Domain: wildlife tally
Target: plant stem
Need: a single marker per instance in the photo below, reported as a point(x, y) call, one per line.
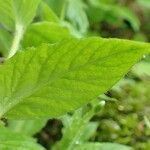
point(16, 41)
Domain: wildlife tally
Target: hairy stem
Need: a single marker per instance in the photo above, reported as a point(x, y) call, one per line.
point(16, 41)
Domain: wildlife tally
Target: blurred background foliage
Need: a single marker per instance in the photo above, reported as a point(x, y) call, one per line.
point(125, 119)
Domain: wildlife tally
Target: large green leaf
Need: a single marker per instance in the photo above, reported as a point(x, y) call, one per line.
point(51, 80)
point(44, 32)
point(102, 146)
point(13, 141)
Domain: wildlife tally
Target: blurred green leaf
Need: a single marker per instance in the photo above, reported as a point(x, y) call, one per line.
point(77, 128)
point(14, 12)
point(27, 127)
point(56, 5)
point(5, 41)
point(47, 14)
point(101, 11)
point(11, 140)
point(44, 32)
point(145, 3)
point(142, 69)
point(77, 16)
point(7, 14)
point(24, 11)
point(17, 14)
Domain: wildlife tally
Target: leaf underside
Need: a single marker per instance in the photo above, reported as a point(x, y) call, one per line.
point(51, 80)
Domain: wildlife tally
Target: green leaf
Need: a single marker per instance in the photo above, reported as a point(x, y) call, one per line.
point(47, 14)
point(99, 11)
point(44, 32)
point(56, 5)
point(6, 14)
point(10, 140)
point(88, 131)
point(103, 146)
point(77, 15)
point(27, 127)
point(25, 11)
point(145, 3)
point(5, 41)
point(77, 128)
point(14, 12)
point(21, 15)
point(51, 80)
point(142, 69)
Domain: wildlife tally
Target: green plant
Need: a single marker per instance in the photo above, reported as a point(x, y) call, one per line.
point(103, 10)
point(77, 130)
point(55, 72)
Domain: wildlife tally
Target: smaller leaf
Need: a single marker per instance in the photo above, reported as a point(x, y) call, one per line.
point(27, 127)
point(77, 15)
point(44, 32)
point(5, 41)
point(47, 14)
point(99, 11)
point(13, 141)
point(142, 69)
point(145, 3)
point(6, 15)
point(56, 5)
point(22, 13)
point(14, 12)
point(25, 11)
point(77, 128)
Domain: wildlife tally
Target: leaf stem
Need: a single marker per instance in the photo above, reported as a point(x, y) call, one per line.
point(16, 41)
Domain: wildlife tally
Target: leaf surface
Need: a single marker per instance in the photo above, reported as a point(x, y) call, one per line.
point(47, 14)
point(15, 16)
point(51, 80)
point(44, 32)
point(77, 15)
point(14, 12)
point(24, 11)
point(27, 127)
point(10, 140)
point(6, 14)
point(5, 41)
